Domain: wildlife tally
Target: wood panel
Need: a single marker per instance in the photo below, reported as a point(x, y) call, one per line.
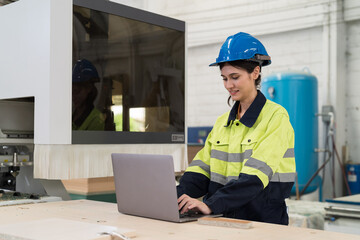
point(90, 185)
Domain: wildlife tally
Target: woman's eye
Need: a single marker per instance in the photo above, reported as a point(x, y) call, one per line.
point(224, 79)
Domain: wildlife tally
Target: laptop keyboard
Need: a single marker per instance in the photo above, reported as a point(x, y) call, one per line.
point(190, 214)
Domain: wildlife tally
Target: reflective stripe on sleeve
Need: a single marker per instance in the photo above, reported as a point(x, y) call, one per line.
point(218, 178)
point(200, 164)
point(231, 157)
point(277, 177)
point(290, 153)
point(259, 165)
point(283, 177)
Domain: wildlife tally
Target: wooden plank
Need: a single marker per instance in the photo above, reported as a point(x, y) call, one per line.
point(225, 222)
point(90, 185)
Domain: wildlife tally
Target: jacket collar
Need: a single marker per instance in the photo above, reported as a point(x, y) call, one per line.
point(250, 116)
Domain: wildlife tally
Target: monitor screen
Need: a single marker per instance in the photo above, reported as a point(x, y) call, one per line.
point(128, 82)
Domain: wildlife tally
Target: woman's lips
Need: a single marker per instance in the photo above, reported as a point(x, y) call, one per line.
point(233, 92)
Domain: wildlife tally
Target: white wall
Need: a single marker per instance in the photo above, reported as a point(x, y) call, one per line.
point(352, 83)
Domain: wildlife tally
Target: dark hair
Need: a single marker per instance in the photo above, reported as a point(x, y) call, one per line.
point(248, 66)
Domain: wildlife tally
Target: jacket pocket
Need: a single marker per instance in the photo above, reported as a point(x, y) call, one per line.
point(220, 144)
point(220, 149)
point(248, 143)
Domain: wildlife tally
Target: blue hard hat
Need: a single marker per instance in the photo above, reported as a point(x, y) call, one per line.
point(242, 46)
point(84, 71)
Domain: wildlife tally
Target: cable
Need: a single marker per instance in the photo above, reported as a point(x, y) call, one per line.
point(341, 166)
point(332, 169)
point(326, 147)
point(315, 174)
point(332, 165)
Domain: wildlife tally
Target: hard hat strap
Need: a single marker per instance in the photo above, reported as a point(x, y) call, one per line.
point(262, 57)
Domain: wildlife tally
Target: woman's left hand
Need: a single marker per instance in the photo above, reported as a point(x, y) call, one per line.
point(187, 203)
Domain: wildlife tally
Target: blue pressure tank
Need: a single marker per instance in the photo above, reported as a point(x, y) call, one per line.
point(297, 93)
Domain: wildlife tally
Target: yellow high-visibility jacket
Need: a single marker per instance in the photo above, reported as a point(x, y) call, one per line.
point(94, 121)
point(246, 168)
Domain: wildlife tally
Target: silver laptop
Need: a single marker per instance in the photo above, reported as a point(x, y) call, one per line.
point(145, 186)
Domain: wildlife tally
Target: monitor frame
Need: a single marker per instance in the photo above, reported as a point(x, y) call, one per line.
point(122, 137)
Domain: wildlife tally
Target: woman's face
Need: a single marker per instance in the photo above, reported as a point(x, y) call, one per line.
point(239, 83)
point(80, 92)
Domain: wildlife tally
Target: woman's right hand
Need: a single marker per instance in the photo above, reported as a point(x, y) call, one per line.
point(187, 203)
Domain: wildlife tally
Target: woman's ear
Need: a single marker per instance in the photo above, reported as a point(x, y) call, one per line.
point(256, 72)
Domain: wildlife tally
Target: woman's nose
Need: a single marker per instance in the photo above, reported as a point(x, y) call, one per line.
point(228, 84)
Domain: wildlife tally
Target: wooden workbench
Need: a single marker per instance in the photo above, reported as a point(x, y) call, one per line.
point(106, 214)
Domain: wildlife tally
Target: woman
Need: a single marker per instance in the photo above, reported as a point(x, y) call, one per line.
point(247, 166)
point(85, 115)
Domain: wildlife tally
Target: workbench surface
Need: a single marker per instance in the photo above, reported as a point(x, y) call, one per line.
point(106, 214)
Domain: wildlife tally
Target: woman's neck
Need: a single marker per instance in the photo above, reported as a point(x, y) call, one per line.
point(245, 104)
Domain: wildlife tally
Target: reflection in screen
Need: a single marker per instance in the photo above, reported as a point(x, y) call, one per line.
point(137, 118)
point(140, 68)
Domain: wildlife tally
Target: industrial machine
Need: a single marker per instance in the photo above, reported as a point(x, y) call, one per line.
point(16, 140)
point(137, 87)
point(17, 184)
point(343, 214)
point(11, 162)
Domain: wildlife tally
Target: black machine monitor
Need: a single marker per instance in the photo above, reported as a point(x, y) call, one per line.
point(128, 82)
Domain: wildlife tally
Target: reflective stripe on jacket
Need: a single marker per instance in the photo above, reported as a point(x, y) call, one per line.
point(246, 168)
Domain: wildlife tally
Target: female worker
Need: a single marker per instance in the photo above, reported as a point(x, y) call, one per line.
point(247, 166)
point(85, 115)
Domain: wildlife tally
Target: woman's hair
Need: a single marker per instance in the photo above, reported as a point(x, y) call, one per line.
point(248, 66)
